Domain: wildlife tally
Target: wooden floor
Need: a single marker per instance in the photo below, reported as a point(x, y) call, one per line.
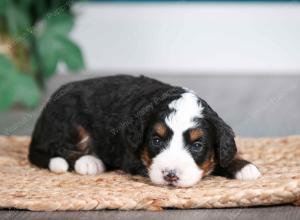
point(260, 213)
point(253, 106)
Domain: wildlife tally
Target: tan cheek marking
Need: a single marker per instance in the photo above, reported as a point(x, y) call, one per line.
point(195, 134)
point(160, 129)
point(209, 165)
point(146, 158)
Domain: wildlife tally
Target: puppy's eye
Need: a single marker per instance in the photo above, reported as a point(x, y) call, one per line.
point(196, 145)
point(157, 141)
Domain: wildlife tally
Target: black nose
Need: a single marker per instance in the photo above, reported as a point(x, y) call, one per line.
point(170, 176)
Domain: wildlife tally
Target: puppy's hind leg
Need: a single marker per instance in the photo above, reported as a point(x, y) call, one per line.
point(58, 151)
point(87, 163)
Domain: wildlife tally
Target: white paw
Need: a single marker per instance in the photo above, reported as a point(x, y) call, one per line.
point(58, 165)
point(89, 165)
point(248, 172)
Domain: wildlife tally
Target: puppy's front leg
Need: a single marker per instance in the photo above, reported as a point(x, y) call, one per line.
point(239, 169)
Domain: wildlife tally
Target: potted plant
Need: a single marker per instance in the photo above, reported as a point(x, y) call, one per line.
point(33, 41)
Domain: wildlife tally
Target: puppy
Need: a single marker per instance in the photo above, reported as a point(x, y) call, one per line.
point(139, 125)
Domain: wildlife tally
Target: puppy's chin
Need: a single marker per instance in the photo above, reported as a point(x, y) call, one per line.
point(187, 171)
point(191, 178)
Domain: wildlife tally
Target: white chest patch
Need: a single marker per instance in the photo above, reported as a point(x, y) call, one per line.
point(175, 157)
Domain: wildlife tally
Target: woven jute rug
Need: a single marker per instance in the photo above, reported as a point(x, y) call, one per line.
point(24, 186)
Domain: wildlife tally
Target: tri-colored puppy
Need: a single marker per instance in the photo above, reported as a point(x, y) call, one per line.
point(138, 125)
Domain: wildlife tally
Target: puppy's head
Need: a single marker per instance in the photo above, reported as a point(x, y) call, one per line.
point(186, 141)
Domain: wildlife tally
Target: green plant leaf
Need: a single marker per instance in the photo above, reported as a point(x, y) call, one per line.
point(25, 4)
point(53, 44)
point(7, 101)
point(26, 91)
point(3, 6)
point(5, 65)
point(71, 54)
point(17, 19)
point(40, 9)
point(59, 23)
point(48, 50)
point(54, 48)
point(16, 87)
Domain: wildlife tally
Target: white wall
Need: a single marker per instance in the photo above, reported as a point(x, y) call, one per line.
point(190, 38)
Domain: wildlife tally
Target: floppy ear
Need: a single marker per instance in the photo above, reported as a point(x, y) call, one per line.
point(224, 144)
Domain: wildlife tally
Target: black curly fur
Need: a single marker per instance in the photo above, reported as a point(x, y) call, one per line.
point(116, 112)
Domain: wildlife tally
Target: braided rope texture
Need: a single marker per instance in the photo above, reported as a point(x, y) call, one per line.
point(24, 186)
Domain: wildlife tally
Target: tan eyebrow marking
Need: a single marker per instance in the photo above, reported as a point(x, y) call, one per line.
point(195, 134)
point(160, 129)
